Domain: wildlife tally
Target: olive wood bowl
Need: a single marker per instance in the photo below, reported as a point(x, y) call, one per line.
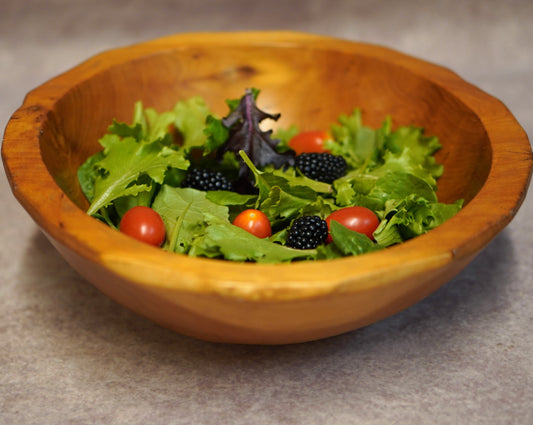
point(311, 80)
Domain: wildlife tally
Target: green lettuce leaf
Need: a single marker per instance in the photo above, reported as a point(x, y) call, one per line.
point(349, 242)
point(236, 202)
point(124, 162)
point(360, 145)
point(148, 125)
point(88, 173)
point(186, 213)
point(278, 199)
point(158, 125)
point(190, 120)
point(234, 243)
point(412, 216)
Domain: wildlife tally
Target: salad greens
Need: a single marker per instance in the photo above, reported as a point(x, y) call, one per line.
point(393, 172)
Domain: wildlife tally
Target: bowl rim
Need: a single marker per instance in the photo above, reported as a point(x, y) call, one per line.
point(68, 226)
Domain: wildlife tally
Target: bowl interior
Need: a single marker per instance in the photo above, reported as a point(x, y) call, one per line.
point(310, 85)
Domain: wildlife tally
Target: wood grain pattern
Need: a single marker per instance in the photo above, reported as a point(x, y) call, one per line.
point(310, 80)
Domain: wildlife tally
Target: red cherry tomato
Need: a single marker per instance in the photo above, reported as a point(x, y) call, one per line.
point(309, 141)
point(143, 224)
point(254, 222)
point(358, 219)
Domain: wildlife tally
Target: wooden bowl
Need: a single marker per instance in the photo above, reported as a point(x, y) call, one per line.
point(310, 80)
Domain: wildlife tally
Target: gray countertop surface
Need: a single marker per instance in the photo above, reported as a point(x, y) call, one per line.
point(70, 355)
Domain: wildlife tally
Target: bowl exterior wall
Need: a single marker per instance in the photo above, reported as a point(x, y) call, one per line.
point(225, 318)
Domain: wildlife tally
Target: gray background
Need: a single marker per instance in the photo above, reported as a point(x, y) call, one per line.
point(70, 355)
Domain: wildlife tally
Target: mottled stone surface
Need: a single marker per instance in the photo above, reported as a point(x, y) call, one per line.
point(70, 355)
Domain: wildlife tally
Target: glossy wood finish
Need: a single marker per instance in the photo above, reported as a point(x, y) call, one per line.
point(310, 80)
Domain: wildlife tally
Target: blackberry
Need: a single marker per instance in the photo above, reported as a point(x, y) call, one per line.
point(307, 232)
point(205, 180)
point(323, 167)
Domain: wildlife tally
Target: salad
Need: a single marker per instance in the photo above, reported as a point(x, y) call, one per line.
point(223, 187)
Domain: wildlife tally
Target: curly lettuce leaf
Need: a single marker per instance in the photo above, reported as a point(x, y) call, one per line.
point(373, 190)
point(124, 162)
point(412, 216)
point(190, 120)
point(360, 145)
point(384, 164)
point(134, 158)
point(147, 124)
point(158, 125)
